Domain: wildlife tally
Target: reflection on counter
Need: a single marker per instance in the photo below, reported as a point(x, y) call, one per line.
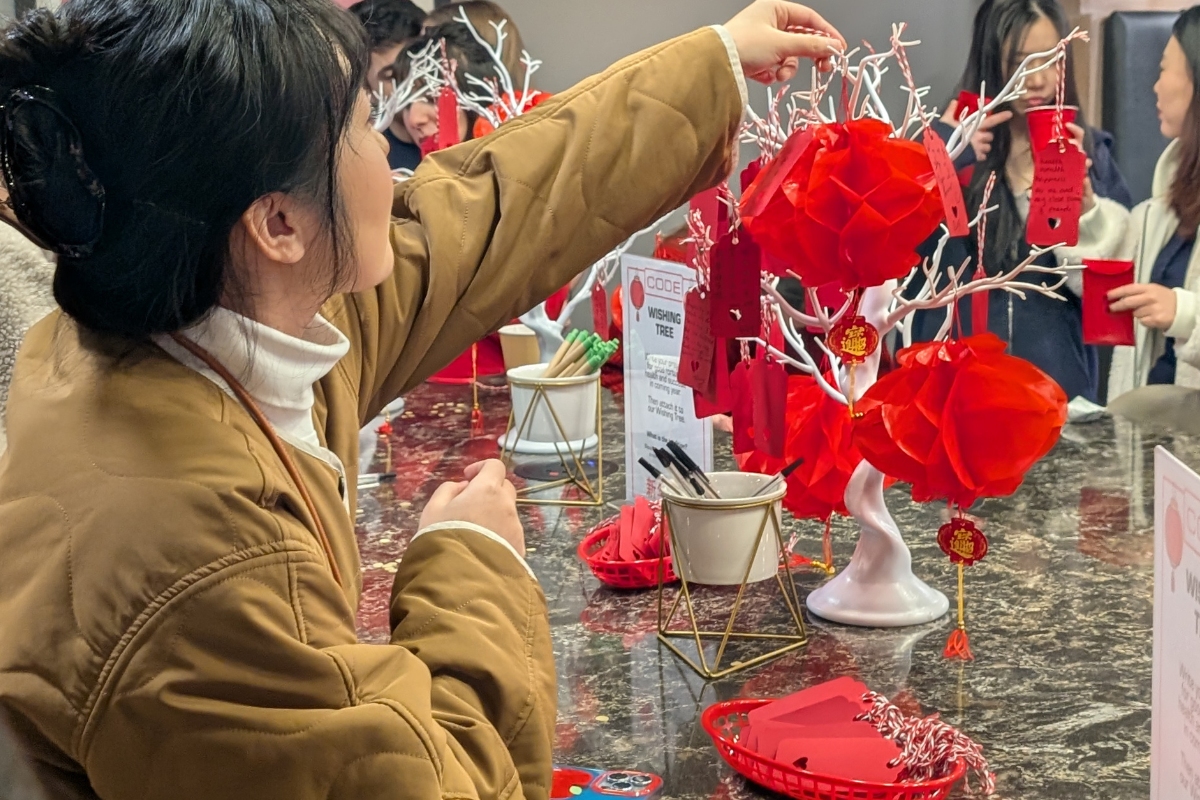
point(1060, 616)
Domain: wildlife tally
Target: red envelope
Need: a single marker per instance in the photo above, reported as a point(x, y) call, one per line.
point(1101, 326)
point(844, 687)
point(863, 759)
point(968, 103)
point(643, 518)
point(625, 538)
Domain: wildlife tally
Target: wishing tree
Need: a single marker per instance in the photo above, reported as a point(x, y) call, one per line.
point(840, 200)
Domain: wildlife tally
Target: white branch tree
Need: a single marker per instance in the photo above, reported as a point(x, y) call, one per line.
point(878, 587)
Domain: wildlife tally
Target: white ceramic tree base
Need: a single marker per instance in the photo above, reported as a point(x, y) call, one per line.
point(877, 589)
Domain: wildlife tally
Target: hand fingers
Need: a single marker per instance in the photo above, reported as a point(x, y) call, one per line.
point(793, 15)
point(445, 493)
point(787, 70)
point(807, 45)
point(490, 472)
point(1127, 290)
point(950, 115)
point(985, 138)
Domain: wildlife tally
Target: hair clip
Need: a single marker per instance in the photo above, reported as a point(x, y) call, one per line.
point(26, 210)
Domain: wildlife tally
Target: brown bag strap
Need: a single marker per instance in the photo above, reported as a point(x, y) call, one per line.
point(265, 425)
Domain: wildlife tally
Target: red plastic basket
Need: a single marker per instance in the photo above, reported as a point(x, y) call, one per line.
point(724, 721)
point(641, 574)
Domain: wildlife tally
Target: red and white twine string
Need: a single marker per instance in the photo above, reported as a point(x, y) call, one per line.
point(987, 196)
point(1060, 91)
point(930, 747)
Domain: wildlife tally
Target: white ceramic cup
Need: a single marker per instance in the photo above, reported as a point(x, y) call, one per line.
point(573, 399)
point(712, 539)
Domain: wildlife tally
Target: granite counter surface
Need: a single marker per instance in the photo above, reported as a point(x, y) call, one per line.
point(1060, 615)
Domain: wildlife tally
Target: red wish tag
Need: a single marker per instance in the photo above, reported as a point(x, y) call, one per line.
point(1057, 198)
point(718, 399)
point(768, 181)
point(743, 408)
point(714, 216)
point(947, 180)
point(853, 339)
point(448, 133)
point(1101, 326)
point(696, 350)
point(735, 287)
point(599, 309)
point(768, 380)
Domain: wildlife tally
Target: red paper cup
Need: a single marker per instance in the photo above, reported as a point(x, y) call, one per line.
point(968, 103)
point(1041, 124)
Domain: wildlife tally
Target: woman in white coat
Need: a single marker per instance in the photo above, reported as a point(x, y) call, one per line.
point(1162, 235)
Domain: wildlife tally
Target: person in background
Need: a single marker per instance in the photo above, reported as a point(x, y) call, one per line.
point(420, 120)
point(241, 288)
point(390, 25)
point(25, 295)
point(1162, 234)
point(484, 16)
point(1046, 332)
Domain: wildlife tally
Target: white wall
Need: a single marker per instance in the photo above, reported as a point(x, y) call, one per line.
point(576, 38)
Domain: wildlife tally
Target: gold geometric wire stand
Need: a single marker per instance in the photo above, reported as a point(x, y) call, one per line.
point(786, 587)
point(573, 467)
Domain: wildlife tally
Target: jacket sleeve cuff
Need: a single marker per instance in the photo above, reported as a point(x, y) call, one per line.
point(1185, 315)
point(735, 62)
point(482, 531)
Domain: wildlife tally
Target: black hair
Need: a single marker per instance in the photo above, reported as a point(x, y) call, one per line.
point(1185, 190)
point(469, 57)
point(969, 82)
point(173, 116)
point(389, 22)
point(994, 62)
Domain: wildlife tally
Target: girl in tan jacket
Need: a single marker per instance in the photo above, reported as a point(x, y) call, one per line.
point(240, 291)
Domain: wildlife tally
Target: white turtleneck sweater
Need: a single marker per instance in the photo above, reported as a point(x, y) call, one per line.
point(279, 371)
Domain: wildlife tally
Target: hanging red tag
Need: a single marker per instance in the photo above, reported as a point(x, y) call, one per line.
point(768, 382)
point(947, 180)
point(831, 297)
point(768, 181)
point(736, 295)
point(600, 309)
point(1057, 198)
point(714, 216)
point(962, 541)
point(979, 306)
point(743, 408)
point(448, 133)
point(853, 339)
point(719, 397)
point(696, 350)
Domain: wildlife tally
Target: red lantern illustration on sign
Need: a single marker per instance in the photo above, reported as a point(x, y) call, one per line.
point(637, 295)
point(1174, 537)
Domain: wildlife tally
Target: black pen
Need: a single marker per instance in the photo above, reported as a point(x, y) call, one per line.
point(781, 476)
point(691, 466)
point(677, 468)
point(658, 476)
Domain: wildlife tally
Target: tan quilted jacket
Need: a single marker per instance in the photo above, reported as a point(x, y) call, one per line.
point(169, 625)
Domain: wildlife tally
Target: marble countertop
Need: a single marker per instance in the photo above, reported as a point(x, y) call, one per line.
point(1060, 615)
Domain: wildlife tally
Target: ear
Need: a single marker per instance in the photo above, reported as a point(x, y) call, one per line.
point(278, 228)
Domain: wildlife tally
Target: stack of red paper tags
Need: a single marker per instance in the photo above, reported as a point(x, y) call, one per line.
point(625, 551)
point(838, 739)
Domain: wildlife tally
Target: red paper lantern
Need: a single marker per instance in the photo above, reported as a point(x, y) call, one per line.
point(853, 209)
point(959, 420)
point(483, 127)
point(819, 431)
